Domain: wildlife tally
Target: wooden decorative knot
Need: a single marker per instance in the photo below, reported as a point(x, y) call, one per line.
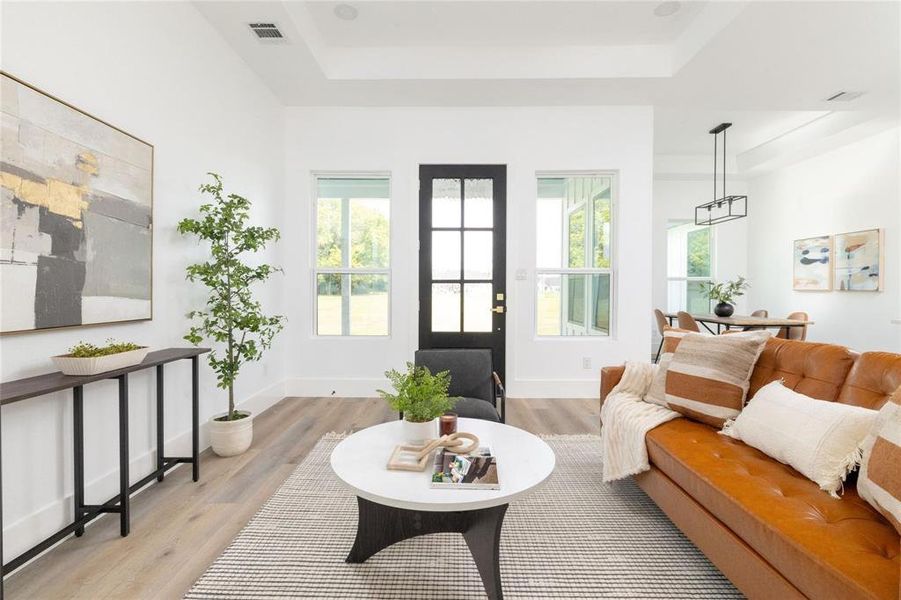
point(416, 458)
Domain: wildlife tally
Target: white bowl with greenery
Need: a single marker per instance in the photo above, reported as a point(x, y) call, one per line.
point(87, 359)
point(422, 398)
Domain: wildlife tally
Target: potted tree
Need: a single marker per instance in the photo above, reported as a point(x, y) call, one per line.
point(231, 317)
point(421, 397)
point(725, 294)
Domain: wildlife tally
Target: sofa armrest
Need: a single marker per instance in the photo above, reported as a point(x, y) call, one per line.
point(610, 376)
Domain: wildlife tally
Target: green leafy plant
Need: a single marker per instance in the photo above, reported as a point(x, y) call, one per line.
point(727, 291)
point(420, 395)
point(232, 316)
point(88, 350)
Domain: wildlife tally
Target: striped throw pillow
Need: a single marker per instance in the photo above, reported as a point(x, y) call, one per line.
point(707, 379)
point(671, 338)
point(879, 482)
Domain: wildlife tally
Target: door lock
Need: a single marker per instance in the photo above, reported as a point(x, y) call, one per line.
point(498, 309)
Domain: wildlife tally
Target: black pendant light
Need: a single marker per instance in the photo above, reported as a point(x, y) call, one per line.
point(723, 208)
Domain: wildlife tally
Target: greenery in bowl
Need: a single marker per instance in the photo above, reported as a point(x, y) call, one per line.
point(88, 350)
point(420, 395)
point(727, 291)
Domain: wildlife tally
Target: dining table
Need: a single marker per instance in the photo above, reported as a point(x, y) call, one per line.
point(740, 321)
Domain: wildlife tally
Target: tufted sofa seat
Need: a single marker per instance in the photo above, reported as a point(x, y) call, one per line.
point(773, 532)
point(826, 547)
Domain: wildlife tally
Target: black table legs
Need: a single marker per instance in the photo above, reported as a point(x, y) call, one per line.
point(160, 422)
point(195, 417)
point(124, 494)
point(78, 454)
point(380, 526)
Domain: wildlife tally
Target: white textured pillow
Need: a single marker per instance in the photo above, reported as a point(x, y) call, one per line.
point(822, 440)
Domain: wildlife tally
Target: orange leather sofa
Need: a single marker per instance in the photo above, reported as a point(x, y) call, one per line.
point(770, 530)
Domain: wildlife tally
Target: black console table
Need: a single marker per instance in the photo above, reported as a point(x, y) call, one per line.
point(23, 389)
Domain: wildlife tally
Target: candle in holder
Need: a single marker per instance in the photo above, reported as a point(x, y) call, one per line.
point(448, 424)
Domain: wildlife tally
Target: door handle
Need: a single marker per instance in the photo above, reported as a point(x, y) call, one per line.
point(498, 309)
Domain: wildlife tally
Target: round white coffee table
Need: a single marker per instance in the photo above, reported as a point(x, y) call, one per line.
point(397, 505)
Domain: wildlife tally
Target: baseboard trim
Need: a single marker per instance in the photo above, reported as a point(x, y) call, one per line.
point(359, 387)
point(31, 529)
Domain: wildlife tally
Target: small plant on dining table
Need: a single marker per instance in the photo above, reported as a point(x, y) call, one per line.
point(726, 291)
point(419, 395)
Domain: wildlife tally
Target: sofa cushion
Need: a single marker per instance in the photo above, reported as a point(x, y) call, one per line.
point(815, 370)
point(707, 379)
point(826, 547)
point(671, 338)
point(874, 377)
point(879, 482)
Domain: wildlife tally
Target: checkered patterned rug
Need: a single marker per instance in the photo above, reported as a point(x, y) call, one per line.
point(574, 538)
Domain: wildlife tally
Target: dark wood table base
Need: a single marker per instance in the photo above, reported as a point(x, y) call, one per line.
point(380, 526)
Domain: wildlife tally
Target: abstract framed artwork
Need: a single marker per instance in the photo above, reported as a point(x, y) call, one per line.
point(76, 216)
point(812, 264)
point(858, 261)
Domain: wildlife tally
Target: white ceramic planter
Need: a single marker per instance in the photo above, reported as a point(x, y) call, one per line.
point(230, 438)
point(417, 433)
point(71, 365)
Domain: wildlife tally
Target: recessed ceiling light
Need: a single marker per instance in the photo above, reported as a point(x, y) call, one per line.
point(667, 9)
point(346, 12)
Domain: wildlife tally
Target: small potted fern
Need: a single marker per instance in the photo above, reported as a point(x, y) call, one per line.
point(421, 397)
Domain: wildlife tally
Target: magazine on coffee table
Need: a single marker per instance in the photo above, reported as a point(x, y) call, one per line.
point(474, 471)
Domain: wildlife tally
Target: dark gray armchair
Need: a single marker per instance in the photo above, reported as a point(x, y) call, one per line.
point(480, 390)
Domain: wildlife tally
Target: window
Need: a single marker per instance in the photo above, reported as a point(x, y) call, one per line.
point(574, 245)
point(689, 264)
point(352, 255)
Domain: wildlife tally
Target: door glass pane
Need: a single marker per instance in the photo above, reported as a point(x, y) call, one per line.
point(368, 305)
point(446, 307)
point(369, 233)
point(446, 203)
point(328, 304)
point(477, 254)
point(478, 208)
point(477, 304)
point(445, 255)
point(329, 239)
point(548, 304)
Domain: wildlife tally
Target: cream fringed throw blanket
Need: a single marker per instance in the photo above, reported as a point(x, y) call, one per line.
point(626, 418)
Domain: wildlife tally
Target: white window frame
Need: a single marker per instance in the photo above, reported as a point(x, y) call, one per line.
point(686, 279)
point(345, 253)
point(564, 248)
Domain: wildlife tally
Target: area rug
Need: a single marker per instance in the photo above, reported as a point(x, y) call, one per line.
point(574, 538)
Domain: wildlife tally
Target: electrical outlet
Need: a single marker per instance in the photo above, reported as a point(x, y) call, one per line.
point(586, 362)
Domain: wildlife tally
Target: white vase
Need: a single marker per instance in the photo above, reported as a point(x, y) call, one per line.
point(230, 438)
point(419, 433)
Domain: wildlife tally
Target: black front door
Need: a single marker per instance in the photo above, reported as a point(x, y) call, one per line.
point(462, 260)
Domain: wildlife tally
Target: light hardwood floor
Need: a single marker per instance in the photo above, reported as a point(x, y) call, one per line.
point(178, 527)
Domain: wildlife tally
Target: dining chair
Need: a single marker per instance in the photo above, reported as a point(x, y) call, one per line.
point(686, 321)
point(662, 324)
point(795, 333)
point(763, 314)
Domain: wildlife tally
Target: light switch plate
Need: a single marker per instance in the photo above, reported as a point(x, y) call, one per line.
point(521, 275)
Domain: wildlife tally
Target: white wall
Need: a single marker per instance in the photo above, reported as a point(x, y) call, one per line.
point(848, 189)
point(676, 199)
point(160, 72)
point(526, 140)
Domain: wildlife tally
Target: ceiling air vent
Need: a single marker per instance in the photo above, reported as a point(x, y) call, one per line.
point(844, 96)
point(266, 31)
